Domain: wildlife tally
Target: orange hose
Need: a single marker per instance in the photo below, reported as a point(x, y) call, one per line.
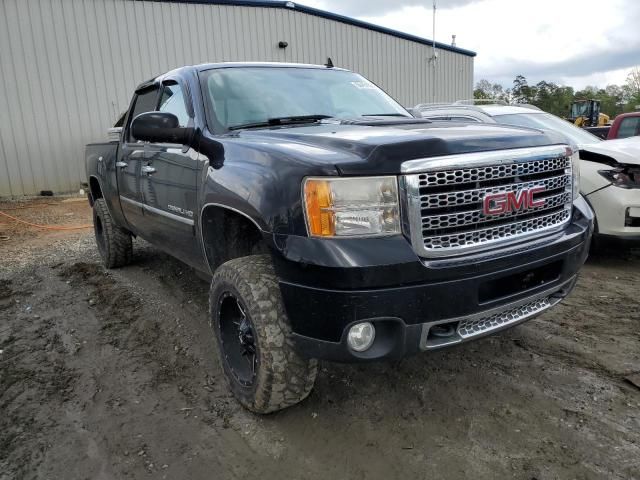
point(46, 227)
point(34, 205)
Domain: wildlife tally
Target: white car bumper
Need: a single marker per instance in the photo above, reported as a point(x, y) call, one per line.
point(617, 212)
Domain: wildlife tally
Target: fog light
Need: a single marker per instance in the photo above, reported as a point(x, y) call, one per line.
point(361, 336)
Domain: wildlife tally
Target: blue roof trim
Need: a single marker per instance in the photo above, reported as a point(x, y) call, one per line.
point(328, 15)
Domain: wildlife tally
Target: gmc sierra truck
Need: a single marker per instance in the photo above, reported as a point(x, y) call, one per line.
point(333, 224)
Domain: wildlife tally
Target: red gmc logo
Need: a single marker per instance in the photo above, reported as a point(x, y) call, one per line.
point(505, 202)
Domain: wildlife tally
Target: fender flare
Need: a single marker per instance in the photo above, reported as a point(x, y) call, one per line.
point(226, 207)
point(92, 199)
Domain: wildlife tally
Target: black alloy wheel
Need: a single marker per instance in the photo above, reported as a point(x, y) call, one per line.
point(237, 339)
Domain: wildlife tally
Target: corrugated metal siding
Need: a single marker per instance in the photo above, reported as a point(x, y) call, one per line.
point(69, 67)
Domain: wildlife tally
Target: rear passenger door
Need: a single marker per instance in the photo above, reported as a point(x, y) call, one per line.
point(169, 181)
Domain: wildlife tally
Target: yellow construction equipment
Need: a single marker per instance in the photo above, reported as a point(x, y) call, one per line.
point(586, 113)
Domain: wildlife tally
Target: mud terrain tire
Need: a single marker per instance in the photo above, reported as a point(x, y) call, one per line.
point(114, 243)
point(280, 376)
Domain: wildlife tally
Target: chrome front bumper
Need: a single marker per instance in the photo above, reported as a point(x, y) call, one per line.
point(490, 321)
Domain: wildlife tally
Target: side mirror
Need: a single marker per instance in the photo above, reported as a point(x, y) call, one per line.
point(161, 127)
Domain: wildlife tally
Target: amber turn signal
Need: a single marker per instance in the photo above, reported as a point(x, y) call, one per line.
point(320, 217)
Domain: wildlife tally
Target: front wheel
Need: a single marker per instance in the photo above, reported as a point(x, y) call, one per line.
point(264, 371)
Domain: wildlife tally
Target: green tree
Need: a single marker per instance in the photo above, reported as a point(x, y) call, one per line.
point(611, 100)
point(482, 90)
point(487, 90)
point(553, 98)
point(632, 90)
point(521, 91)
point(557, 99)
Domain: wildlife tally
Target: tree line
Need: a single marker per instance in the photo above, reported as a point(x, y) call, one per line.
point(557, 99)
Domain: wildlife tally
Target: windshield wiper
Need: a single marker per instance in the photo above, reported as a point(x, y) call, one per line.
point(270, 122)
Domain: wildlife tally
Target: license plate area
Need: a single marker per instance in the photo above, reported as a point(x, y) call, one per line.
point(520, 282)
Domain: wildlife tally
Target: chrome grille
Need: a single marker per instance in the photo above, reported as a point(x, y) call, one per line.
point(445, 198)
point(471, 328)
point(466, 197)
point(496, 233)
point(492, 172)
point(434, 222)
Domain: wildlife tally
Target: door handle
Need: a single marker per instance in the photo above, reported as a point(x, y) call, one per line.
point(148, 169)
point(121, 164)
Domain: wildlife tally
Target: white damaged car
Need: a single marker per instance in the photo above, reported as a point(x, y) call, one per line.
point(609, 170)
point(610, 181)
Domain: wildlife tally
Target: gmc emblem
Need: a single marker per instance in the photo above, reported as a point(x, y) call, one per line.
point(505, 202)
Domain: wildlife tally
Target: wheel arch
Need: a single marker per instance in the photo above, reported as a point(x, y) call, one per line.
point(95, 189)
point(228, 233)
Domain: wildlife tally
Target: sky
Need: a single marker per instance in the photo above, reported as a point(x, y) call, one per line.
point(569, 42)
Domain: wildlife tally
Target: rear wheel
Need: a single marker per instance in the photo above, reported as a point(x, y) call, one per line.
point(114, 243)
point(264, 371)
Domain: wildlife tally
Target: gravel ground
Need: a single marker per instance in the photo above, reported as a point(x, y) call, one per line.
point(114, 375)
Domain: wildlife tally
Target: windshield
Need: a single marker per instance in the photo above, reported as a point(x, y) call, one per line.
point(252, 95)
point(579, 109)
point(546, 121)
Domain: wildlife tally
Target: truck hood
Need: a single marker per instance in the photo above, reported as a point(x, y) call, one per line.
point(381, 147)
point(625, 150)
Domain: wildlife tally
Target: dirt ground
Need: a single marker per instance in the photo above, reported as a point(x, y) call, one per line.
point(114, 375)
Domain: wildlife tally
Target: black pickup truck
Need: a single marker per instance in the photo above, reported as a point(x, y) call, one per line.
point(333, 224)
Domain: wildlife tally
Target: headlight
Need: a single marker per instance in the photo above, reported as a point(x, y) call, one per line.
point(575, 173)
point(623, 176)
point(346, 207)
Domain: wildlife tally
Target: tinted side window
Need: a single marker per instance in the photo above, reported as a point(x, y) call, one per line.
point(144, 102)
point(629, 127)
point(173, 101)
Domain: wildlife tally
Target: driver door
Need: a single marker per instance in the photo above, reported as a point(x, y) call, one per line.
point(169, 179)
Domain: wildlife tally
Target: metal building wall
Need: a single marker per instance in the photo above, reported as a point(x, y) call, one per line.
point(69, 67)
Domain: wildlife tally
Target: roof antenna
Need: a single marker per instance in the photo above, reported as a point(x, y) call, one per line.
point(434, 56)
point(329, 63)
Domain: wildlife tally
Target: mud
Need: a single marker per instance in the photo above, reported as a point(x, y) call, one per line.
point(114, 375)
